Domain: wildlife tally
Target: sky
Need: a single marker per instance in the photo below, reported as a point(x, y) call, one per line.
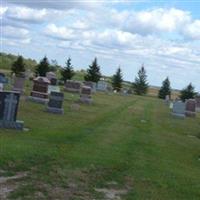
point(162, 35)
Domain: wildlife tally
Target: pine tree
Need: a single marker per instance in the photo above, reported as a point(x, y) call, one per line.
point(67, 72)
point(165, 89)
point(93, 72)
point(188, 92)
point(140, 86)
point(18, 67)
point(43, 67)
point(117, 80)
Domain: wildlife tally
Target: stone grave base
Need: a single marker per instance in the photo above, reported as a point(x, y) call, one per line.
point(197, 109)
point(21, 91)
point(182, 116)
point(190, 114)
point(37, 99)
point(85, 100)
point(19, 125)
point(55, 110)
point(72, 90)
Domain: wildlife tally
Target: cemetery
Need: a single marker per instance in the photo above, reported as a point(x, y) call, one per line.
point(49, 136)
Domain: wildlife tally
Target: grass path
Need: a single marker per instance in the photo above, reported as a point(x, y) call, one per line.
point(132, 141)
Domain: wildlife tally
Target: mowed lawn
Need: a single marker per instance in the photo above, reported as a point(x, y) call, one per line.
point(120, 143)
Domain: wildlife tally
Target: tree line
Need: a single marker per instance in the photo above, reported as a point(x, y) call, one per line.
point(139, 86)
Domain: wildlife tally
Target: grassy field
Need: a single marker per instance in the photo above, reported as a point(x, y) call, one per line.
point(121, 147)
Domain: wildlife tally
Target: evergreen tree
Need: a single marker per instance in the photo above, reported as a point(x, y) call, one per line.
point(18, 67)
point(43, 67)
point(188, 92)
point(117, 80)
point(93, 72)
point(165, 89)
point(67, 72)
point(140, 86)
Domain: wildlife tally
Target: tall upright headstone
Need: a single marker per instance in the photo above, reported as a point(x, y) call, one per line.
point(53, 86)
point(86, 95)
point(55, 102)
point(9, 102)
point(190, 108)
point(197, 99)
point(178, 109)
point(73, 86)
point(39, 92)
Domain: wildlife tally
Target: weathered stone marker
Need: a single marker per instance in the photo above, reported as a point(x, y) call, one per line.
point(18, 85)
point(91, 84)
point(86, 95)
point(55, 103)
point(9, 102)
point(197, 99)
point(73, 86)
point(102, 86)
point(190, 108)
point(178, 109)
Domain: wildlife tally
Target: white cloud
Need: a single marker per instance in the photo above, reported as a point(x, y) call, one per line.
point(60, 33)
point(193, 30)
point(27, 14)
point(2, 11)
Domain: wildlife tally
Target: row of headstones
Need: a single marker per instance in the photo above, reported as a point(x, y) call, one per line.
point(187, 108)
point(42, 86)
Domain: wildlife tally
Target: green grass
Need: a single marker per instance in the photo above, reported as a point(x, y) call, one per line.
point(128, 139)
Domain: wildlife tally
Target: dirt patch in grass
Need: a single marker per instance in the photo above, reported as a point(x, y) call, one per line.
point(9, 183)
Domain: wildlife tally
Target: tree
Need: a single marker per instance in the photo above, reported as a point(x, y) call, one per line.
point(165, 89)
point(117, 80)
point(140, 86)
point(54, 66)
point(43, 67)
point(188, 92)
point(18, 66)
point(93, 73)
point(67, 72)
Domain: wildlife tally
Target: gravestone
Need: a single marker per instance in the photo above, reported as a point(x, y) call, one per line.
point(73, 86)
point(86, 95)
point(3, 78)
point(50, 76)
point(18, 85)
point(1, 87)
point(39, 92)
point(197, 99)
point(102, 86)
point(91, 84)
point(55, 103)
point(167, 99)
point(178, 109)
point(190, 108)
point(9, 102)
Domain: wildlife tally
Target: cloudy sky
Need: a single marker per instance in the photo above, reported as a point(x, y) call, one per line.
point(164, 35)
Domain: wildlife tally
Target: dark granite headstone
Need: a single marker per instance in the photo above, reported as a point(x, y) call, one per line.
point(9, 102)
point(190, 108)
point(197, 99)
point(73, 86)
point(40, 90)
point(55, 102)
point(86, 95)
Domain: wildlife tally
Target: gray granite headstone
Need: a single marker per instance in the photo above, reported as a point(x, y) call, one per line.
point(197, 99)
point(178, 109)
point(55, 102)
point(102, 86)
point(9, 102)
point(18, 84)
point(73, 86)
point(91, 84)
